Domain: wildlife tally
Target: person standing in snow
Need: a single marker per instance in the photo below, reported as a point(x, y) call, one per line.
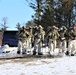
point(39, 38)
point(22, 43)
point(62, 40)
point(72, 40)
point(52, 39)
point(30, 38)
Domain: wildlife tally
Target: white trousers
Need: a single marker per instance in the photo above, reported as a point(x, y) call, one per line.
point(52, 45)
point(29, 43)
point(22, 46)
point(38, 45)
point(72, 46)
point(62, 46)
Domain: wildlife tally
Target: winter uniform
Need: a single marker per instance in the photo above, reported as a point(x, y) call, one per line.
point(22, 43)
point(62, 38)
point(39, 38)
point(52, 37)
point(72, 41)
point(30, 38)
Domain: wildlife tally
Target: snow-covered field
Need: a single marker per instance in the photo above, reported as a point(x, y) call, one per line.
point(65, 65)
point(56, 66)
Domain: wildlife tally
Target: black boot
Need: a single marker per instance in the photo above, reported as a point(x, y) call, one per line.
point(34, 52)
point(72, 54)
point(40, 54)
point(24, 52)
point(67, 53)
point(18, 52)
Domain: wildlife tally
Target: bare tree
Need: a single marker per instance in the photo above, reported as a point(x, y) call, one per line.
point(4, 24)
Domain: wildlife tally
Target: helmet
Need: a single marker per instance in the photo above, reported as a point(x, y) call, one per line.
point(40, 27)
point(54, 27)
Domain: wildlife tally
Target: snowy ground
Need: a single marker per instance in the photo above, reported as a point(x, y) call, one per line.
point(56, 66)
point(65, 65)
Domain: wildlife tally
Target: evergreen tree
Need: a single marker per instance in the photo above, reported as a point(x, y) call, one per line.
point(54, 12)
point(18, 26)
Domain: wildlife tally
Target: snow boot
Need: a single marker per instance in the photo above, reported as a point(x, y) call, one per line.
point(72, 54)
point(67, 53)
point(18, 52)
point(40, 54)
point(34, 52)
point(24, 52)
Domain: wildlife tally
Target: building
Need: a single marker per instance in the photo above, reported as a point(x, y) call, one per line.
point(10, 38)
point(1, 37)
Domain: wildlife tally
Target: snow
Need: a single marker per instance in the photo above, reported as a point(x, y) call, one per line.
point(12, 51)
point(7, 51)
point(65, 65)
point(56, 66)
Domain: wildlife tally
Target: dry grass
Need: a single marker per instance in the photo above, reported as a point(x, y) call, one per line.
point(23, 60)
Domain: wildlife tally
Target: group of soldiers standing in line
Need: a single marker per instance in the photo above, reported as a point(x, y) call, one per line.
point(35, 37)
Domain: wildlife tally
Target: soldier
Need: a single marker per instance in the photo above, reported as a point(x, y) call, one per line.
point(30, 38)
point(39, 38)
point(72, 41)
point(34, 31)
point(52, 39)
point(62, 38)
point(22, 44)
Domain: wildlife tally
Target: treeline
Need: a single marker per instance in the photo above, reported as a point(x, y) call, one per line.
point(53, 12)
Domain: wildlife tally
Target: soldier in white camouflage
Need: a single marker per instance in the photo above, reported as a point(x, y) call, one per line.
point(62, 40)
point(39, 38)
point(72, 40)
point(22, 43)
point(30, 38)
point(52, 39)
